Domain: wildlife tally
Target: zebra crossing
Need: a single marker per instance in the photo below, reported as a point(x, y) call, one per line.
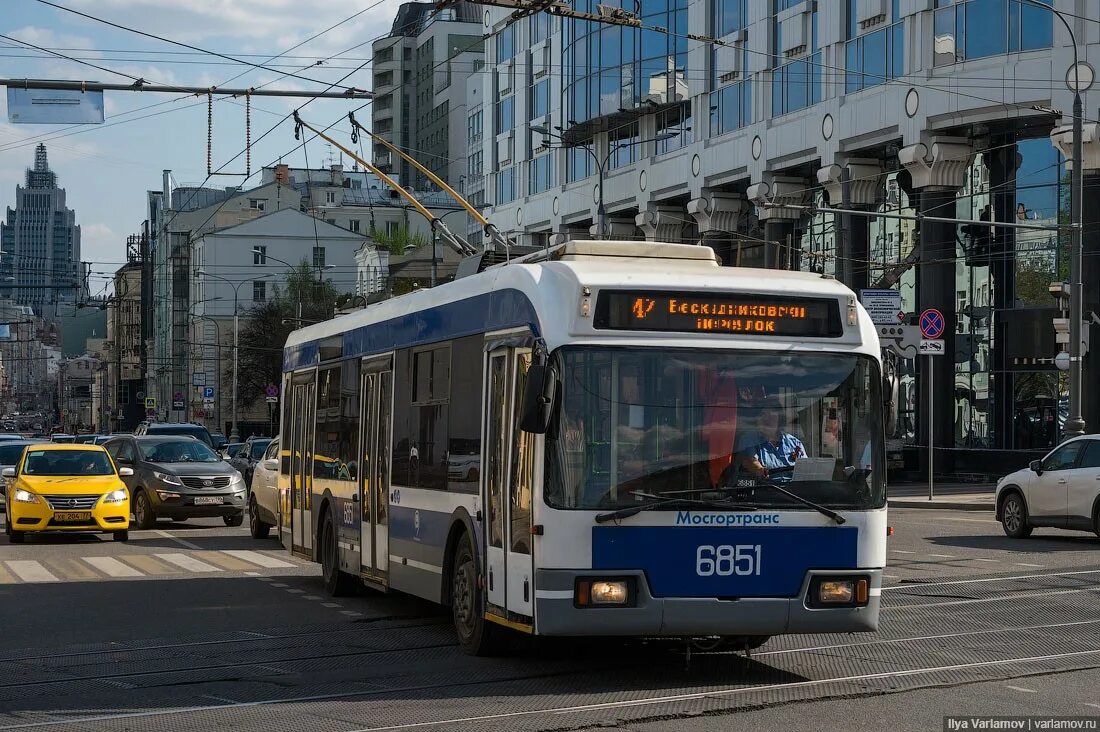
point(135, 566)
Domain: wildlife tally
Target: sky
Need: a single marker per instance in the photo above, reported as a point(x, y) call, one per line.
point(107, 169)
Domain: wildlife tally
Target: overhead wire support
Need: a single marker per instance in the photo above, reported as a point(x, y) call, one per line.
point(142, 86)
point(456, 242)
point(607, 13)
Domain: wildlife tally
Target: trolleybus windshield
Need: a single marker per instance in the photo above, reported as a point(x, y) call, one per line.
point(634, 423)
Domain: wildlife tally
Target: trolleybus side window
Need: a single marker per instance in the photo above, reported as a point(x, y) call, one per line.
point(495, 432)
point(464, 426)
point(523, 457)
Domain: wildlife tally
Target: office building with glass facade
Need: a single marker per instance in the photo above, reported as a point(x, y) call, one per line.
point(949, 108)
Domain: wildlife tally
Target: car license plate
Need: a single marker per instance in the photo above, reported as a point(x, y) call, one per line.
point(72, 516)
point(207, 500)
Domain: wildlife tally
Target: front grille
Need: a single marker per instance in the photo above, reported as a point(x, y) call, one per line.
point(207, 482)
point(72, 503)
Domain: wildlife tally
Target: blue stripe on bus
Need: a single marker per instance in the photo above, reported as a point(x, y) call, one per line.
point(419, 525)
point(479, 314)
point(684, 561)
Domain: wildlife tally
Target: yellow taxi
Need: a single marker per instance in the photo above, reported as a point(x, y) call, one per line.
point(66, 487)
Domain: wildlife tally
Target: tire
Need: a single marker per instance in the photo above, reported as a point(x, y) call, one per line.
point(16, 537)
point(476, 635)
point(120, 535)
point(337, 583)
point(144, 517)
point(1096, 522)
point(179, 519)
point(256, 527)
point(1014, 516)
point(235, 520)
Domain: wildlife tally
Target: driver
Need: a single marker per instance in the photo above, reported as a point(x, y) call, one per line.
point(769, 447)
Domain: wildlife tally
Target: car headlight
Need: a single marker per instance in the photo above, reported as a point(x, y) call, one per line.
point(166, 478)
point(167, 495)
point(116, 496)
point(237, 480)
point(23, 496)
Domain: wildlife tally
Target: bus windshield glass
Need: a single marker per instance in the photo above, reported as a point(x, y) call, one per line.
point(641, 425)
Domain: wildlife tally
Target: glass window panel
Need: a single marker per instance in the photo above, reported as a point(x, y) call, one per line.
point(944, 40)
point(874, 57)
point(989, 19)
point(853, 68)
point(897, 51)
point(1036, 27)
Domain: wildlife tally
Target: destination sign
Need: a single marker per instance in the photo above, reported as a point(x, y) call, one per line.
point(688, 312)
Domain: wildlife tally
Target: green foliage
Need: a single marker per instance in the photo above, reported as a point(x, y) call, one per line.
point(264, 332)
point(400, 240)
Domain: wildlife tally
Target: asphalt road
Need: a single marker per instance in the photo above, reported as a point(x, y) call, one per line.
point(196, 626)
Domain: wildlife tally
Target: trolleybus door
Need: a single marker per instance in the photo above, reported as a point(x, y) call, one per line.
point(374, 472)
point(508, 455)
point(303, 409)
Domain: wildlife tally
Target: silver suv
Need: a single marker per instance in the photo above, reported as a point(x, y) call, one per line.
point(178, 478)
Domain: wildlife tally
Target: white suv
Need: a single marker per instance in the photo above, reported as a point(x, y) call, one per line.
point(263, 502)
point(1061, 491)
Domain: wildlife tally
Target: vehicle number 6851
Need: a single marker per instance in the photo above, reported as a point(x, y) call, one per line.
point(725, 560)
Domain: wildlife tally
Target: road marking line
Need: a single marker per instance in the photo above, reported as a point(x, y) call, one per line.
point(350, 613)
point(891, 576)
point(531, 712)
point(1023, 689)
point(29, 570)
point(6, 577)
point(112, 567)
point(257, 558)
point(1025, 564)
point(223, 699)
point(943, 556)
point(265, 579)
point(968, 520)
point(310, 597)
point(995, 579)
point(188, 562)
point(331, 604)
point(294, 591)
point(1001, 598)
point(147, 564)
point(1090, 704)
point(901, 551)
point(980, 559)
point(71, 569)
point(182, 542)
point(280, 585)
point(221, 560)
point(252, 574)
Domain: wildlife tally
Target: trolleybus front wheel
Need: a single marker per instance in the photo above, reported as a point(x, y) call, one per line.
point(476, 635)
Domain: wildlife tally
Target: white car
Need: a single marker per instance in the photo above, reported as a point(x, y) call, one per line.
point(1060, 491)
point(263, 502)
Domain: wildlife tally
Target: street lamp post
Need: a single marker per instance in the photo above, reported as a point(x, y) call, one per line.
point(601, 167)
point(1075, 422)
point(319, 269)
point(234, 436)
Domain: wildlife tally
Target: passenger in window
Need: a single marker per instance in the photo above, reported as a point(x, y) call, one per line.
point(771, 451)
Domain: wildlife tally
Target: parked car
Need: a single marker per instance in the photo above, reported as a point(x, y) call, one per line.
point(175, 428)
point(11, 451)
point(61, 438)
point(1061, 491)
point(218, 441)
point(178, 477)
point(231, 449)
point(11, 437)
point(263, 499)
point(66, 488)
point(85, 439)
point(251, 452)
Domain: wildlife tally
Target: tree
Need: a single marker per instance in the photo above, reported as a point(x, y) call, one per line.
point(266, 326)
point(400, 239)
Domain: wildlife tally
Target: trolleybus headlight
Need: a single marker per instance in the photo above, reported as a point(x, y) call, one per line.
point(603, 592)
point(836, 592)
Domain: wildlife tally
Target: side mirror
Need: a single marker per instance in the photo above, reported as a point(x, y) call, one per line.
point(125, 472)
point(538, 398)
point(271, 464)
point(8, 472)
point(1036, 466)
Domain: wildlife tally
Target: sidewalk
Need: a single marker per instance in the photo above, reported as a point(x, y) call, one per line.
point(957, 496)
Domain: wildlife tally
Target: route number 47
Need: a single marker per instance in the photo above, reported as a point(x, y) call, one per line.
point(725, 560)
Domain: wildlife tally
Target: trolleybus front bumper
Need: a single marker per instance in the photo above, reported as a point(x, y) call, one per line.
point(558, 611)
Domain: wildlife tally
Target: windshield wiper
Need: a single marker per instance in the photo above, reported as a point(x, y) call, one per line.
point(663, 501)
point(731, 490)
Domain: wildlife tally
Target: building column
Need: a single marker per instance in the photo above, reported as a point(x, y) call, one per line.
point(938, 170)
point(717, 216)
point(774, 198)
point(618, 228)
point(1062, 138)
point(1002, 165)
point(853, 183)
point(662, 223)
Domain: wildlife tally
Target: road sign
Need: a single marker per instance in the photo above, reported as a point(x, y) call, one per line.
point(273, 400)
point(272, 390)
point(884, 306)
point(177, 405)
point(150, 413)
point(208, 403)
point(208, 392)
point(198, 378)
point(150, 403)
point(932, 324)
point(931, 347)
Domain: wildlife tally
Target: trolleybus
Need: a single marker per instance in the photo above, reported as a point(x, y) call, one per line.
point(604, 439)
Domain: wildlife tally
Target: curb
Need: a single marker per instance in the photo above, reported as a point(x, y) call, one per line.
point(941, 504)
